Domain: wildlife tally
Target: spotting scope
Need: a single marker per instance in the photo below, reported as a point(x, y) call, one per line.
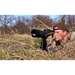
point(42, 34)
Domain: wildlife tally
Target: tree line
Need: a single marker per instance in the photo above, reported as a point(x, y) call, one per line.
point(24, 25)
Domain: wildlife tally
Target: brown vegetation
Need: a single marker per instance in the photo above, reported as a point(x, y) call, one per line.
point(25, 47)
point(21, 28)
point(21, 46)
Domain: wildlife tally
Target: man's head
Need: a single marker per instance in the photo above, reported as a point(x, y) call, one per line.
point(60, 31)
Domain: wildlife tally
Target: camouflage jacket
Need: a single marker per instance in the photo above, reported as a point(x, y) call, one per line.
point(55, 46)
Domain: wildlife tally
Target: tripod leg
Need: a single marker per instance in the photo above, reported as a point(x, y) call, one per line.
point(44, 44)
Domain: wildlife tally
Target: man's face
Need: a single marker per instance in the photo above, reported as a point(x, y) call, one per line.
point(59, 34)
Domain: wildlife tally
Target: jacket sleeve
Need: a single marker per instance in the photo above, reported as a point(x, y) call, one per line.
point(53, 47)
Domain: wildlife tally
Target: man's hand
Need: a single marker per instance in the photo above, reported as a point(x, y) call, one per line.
point(45, 28)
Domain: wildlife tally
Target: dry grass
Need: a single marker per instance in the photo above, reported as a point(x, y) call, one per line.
point(25, 47)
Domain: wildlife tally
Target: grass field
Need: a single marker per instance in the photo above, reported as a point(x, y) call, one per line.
point(25, 47)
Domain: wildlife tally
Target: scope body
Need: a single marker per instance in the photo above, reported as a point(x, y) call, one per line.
point(39, 33)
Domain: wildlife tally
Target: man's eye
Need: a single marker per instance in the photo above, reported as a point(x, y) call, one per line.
point(56, 32)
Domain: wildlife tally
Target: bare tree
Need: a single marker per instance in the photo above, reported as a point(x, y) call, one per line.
point(12, 20)
point(43, 19)
point(8, 19)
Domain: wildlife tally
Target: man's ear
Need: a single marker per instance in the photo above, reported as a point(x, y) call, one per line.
point(65, 32)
